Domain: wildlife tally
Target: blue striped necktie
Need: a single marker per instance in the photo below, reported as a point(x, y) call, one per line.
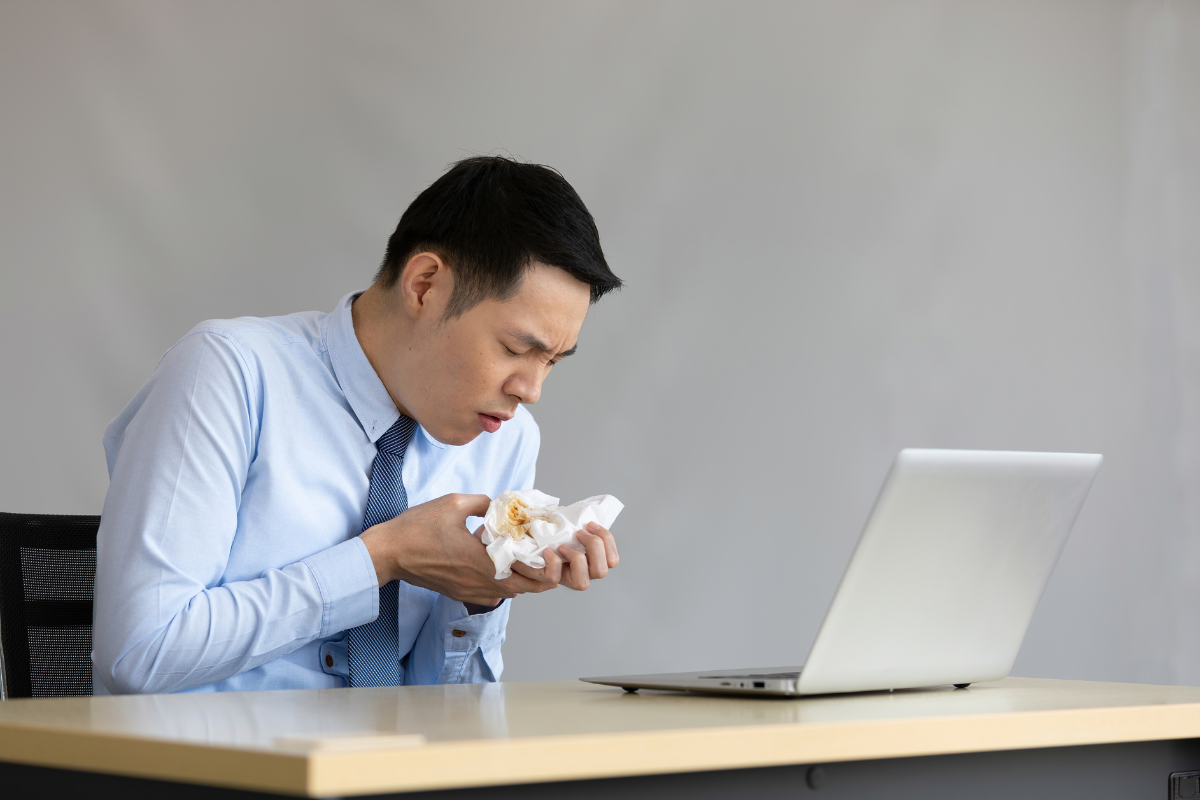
point(372, 650)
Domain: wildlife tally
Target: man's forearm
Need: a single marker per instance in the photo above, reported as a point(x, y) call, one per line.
point(225, 630)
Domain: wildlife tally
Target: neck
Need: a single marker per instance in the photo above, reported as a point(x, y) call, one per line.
point(380, 330)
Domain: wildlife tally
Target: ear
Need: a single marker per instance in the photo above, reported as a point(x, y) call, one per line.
point(425, 286)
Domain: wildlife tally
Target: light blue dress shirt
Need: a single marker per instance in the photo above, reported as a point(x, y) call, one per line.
point(228, 555)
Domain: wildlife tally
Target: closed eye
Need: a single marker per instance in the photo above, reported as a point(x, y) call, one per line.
point(535, 345)
point(512, 352)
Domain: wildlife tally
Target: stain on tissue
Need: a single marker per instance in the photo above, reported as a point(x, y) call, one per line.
point(517, 516)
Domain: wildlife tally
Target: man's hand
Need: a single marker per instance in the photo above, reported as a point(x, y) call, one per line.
point(429, 546)
point(576, 566)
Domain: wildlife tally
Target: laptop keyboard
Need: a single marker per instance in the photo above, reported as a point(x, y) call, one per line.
point(767, 675)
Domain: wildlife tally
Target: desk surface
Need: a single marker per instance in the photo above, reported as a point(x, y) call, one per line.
point(358, 741)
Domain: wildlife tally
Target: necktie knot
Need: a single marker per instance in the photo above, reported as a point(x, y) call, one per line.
point(396, 438)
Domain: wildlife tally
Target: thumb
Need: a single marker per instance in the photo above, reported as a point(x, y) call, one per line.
point(471, 505)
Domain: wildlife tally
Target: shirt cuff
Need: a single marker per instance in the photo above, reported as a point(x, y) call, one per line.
point(469, 631)
point(348, 583)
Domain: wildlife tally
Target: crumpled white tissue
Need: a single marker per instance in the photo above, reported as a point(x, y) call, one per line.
point(519, 525)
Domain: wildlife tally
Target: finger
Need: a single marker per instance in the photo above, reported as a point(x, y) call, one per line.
point(478, 532)
point(545, 575)
point(576, 571)
point(597, 561)
point(610, 544)
point(469, 505)
point(521, 585)
point(528, 571)
point(511, 586)
point(554, 564)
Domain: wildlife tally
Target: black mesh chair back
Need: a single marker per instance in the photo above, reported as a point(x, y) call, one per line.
point(47, 568)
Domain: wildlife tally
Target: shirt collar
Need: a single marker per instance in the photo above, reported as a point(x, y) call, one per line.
point(364, 391)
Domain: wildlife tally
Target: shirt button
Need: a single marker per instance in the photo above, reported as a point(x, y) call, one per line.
point(328, 660)
point(457, 634)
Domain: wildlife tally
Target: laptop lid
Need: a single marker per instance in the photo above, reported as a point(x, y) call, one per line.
point(948, 570)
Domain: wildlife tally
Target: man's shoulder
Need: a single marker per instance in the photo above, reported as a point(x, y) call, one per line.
point(255, 338)
point(515, 446)
point(302, 327)
point(522, 430)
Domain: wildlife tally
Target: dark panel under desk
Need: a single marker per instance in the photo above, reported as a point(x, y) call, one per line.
point(1096, 772)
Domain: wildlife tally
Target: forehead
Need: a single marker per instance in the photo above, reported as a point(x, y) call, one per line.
point(544, 284)
point(551, 304)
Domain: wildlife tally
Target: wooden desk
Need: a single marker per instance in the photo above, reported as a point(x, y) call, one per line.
point(363, 741)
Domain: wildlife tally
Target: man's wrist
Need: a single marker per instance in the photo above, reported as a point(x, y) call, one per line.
point(474, 609)
point(381, 557)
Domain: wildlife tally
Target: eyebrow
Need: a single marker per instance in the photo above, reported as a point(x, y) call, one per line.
point(537, 344)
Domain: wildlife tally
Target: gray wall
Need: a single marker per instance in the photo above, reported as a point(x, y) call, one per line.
point(846, 228)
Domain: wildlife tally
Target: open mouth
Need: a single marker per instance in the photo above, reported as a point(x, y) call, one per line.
point(490, 422)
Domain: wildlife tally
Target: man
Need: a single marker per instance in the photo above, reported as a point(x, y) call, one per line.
point(289, 496)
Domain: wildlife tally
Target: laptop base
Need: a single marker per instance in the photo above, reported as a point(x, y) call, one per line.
point(763, 681)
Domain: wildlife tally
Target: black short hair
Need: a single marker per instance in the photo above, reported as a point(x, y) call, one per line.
point(492, 218)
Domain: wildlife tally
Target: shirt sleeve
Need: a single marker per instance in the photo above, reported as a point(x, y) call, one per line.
point(164, 620)
point(456, 647)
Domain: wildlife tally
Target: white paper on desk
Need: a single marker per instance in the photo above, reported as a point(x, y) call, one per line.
point(549, 525)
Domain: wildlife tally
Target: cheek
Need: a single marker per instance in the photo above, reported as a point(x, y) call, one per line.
point(472, 374)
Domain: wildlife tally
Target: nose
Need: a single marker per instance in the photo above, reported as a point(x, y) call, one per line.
point(526, 385)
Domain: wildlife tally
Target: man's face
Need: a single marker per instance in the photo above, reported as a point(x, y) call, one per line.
point(476, 368)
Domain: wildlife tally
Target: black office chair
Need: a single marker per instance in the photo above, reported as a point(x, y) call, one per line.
point(47, 568)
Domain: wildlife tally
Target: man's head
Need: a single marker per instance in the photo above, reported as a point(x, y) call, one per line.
point(485, 286)
point(491, 219)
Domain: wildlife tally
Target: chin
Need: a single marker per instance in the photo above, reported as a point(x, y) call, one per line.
point(456, 437)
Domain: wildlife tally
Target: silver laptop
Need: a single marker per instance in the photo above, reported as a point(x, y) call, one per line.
point(942, 584)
